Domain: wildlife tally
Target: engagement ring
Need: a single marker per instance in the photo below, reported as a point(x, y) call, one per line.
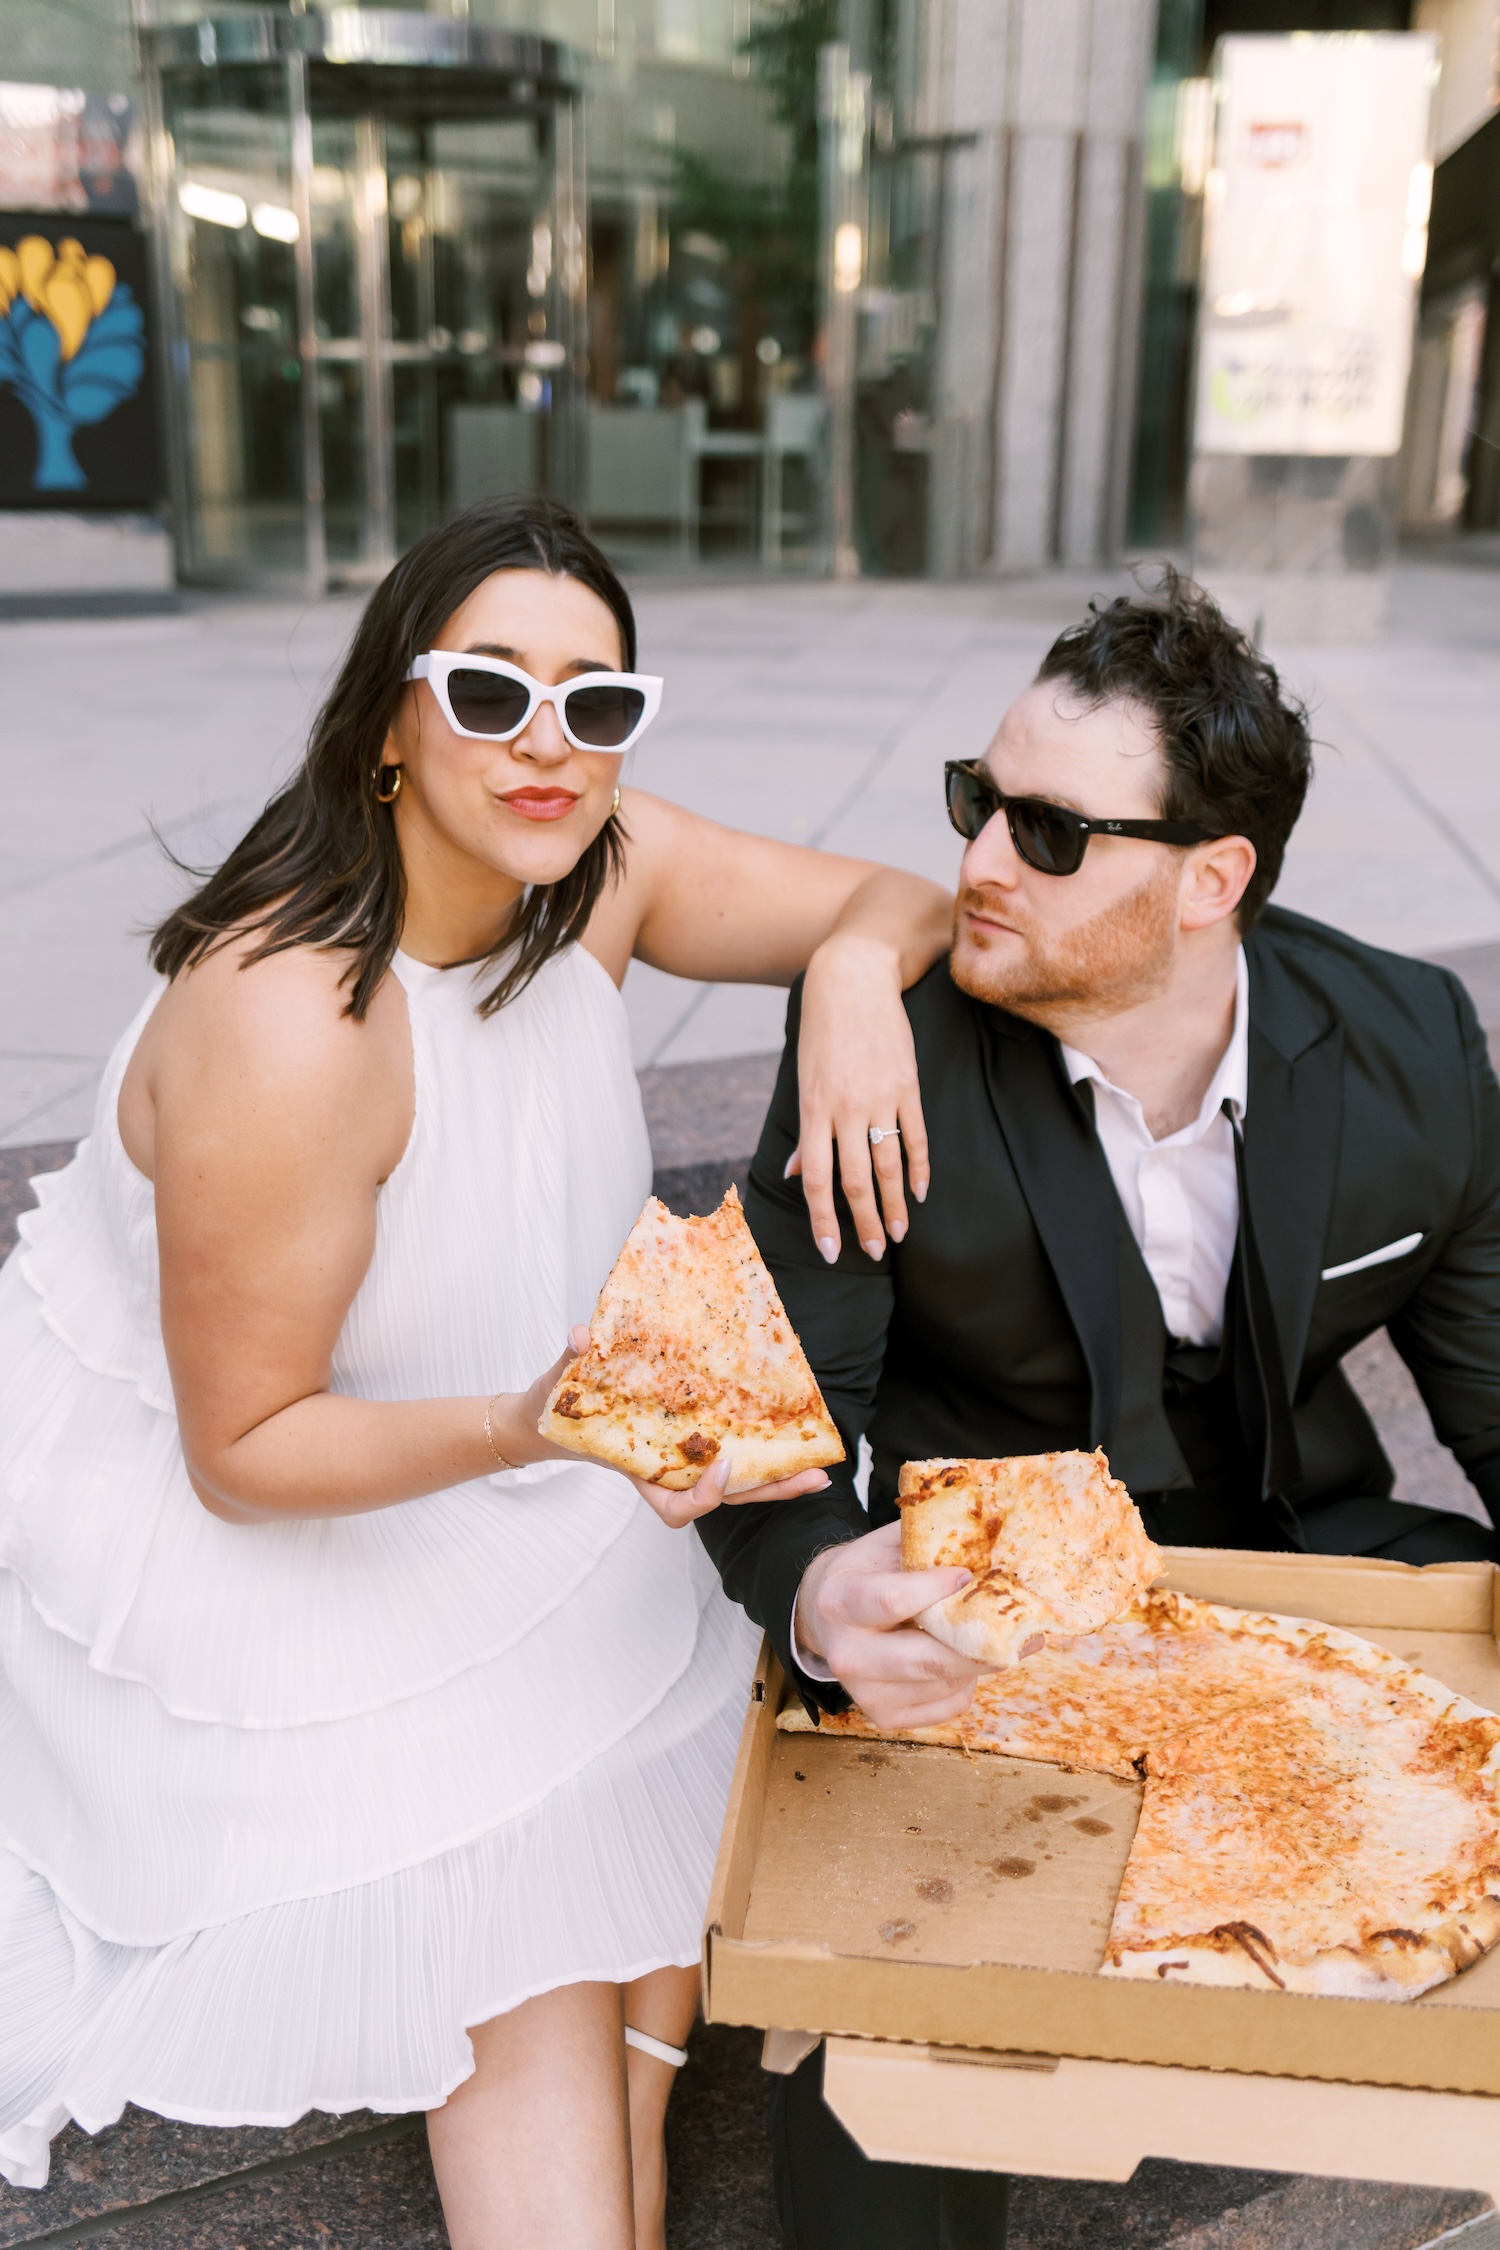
point(879, 1133)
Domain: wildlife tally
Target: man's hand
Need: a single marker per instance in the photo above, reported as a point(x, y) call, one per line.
point(854, 1610)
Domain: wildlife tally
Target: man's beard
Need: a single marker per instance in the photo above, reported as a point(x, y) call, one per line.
point(1120, 958)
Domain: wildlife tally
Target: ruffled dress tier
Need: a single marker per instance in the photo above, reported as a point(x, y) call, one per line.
point(284, 1807)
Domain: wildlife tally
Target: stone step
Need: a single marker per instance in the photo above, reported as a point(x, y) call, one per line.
point(365, 2183)
point(150, 2184)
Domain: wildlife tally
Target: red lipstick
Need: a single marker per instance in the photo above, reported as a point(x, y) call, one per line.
point(540, 804)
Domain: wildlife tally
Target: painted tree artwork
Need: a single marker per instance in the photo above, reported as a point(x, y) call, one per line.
point(72, 347)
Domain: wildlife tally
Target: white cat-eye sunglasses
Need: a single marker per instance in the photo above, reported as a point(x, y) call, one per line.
point(492, 701)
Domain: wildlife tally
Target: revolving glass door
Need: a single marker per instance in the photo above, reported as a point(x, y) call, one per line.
point(369, 233)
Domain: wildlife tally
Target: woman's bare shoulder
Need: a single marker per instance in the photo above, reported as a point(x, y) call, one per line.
point(268, 1044)
point(658, 835)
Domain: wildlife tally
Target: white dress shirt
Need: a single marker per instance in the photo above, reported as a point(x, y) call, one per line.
point(1181, 1196)
point(1180, 1193)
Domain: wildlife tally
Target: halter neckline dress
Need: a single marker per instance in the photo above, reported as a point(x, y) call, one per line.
point(284, 1807)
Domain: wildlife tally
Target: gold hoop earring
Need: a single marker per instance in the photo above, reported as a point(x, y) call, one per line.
point(614, 804)
point(387, 796)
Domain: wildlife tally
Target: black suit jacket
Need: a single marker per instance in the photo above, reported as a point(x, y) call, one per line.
point(995, 1327)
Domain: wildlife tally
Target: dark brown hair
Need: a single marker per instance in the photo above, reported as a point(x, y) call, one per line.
point(321, 866)
point(1236, 750)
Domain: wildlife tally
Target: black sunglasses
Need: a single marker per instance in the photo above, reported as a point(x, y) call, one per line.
point(1048, 837)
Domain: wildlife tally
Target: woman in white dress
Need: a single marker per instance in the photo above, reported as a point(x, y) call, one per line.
point(357, 1749)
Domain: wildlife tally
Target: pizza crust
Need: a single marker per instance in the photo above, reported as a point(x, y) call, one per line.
point(674, 1450)
point(691, 1354)
point(1055, 1543)
point(1238, 1956)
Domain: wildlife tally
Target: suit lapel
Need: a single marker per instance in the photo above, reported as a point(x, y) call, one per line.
point(1066, 1181)
point(1293, 1125)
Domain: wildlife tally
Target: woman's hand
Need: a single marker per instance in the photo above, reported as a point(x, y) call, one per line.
point(700, 1499)
point(514, 1417)
point(857, 1068)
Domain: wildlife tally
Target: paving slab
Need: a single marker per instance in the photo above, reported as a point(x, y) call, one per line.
point(1308, 2214)
point(373, 2196)
point(719, 2192)
point(142, 2169)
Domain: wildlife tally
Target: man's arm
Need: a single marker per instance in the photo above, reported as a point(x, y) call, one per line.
point(841, 1313)
point(1449, 1331)
point(857, 1602)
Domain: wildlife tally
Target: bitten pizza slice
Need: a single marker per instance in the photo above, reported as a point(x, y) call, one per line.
point(1054, 1541)
point(691, 1355)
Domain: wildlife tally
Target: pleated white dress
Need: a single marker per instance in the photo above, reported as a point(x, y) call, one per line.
point(283, 1808)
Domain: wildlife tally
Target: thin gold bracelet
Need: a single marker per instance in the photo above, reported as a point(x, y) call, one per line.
point(489, 1437)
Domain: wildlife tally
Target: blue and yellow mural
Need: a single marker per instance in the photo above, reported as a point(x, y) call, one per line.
point(72, 346)
point(77, 420)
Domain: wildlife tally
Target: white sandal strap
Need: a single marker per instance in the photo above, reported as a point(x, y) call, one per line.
point(676, 2056)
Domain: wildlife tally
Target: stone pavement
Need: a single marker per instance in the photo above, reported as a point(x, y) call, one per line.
point(816, 712)
point(819, 713)
point(363, 2183)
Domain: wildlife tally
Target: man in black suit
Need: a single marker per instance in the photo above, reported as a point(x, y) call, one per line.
point(1186, 1152)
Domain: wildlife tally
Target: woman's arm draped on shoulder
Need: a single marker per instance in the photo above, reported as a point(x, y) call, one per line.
point(712, 903)
point(700, 900)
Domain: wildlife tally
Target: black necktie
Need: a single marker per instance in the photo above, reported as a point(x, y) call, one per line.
point(1281, 1461)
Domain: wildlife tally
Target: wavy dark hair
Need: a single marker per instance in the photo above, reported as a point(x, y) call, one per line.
point(1236, 750)
point(321, 866)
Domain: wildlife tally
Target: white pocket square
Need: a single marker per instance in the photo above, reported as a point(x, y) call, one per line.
point(1372, 1258)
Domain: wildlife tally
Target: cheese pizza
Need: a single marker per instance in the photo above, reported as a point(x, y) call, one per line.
point(690, 1355)
point(1055, 1543)
point(1318, 1816)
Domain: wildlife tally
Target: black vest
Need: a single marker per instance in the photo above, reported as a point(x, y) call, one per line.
point(1187, 1440)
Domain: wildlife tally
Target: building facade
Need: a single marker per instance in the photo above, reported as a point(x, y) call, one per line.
point(933, 311)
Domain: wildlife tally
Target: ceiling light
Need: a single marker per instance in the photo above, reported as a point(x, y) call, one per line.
point(848, 257)
point(215, 205)
point(275, 222)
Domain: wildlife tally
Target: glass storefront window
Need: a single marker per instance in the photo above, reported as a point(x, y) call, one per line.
point(230, 233)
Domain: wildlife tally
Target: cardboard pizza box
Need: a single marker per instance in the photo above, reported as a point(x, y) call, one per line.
point(921, 1896)
point(1067, 2118)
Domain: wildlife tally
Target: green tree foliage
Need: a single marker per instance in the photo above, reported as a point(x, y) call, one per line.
point(783, 49)
point(771, 234)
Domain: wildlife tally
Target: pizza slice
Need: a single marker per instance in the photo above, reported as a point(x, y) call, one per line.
point(690, 1355)
point(1339, 1836)
point(1055, 1543)
point(1092, 1702)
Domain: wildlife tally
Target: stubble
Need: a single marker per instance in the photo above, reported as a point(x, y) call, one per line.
point(1119, 959)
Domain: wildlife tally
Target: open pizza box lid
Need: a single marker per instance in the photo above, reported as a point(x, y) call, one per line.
point(955, 1907)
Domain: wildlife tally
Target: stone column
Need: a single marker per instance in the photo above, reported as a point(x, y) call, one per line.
point(1039, 106)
